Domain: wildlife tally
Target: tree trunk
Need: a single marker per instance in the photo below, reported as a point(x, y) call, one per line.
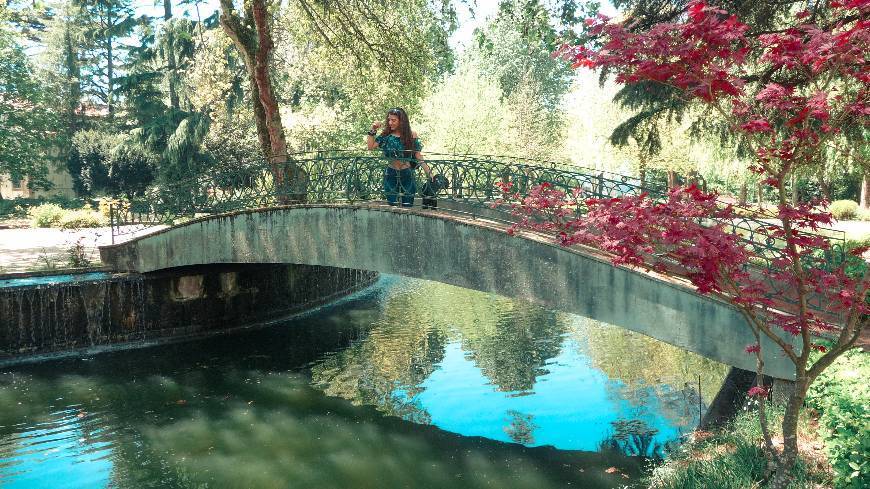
point(865, 191)
point(794, 189)
point(73, 88)
point(170, 58)
point(789, 454)
point(109, 65)
point(252, 36)
point(759, 187)
point(672, 179)
point(824, 187)
point(743, 194)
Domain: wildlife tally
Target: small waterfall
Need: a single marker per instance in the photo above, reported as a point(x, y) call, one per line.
point(56, 317)
point(94, 298)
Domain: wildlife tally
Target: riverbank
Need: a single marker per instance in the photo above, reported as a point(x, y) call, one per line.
point(835, 438)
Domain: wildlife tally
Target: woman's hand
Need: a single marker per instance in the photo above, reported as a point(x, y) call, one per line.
point(376, 125)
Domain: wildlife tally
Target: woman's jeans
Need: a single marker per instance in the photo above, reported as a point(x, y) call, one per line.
point(400, 184)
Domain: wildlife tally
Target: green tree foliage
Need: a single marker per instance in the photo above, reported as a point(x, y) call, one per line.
point(160, 117)
point(465, 113)
point(516, 50)
point(346, 64)
point(90, 160)
point(104, 24)
point(505, 96)
point(25, 120)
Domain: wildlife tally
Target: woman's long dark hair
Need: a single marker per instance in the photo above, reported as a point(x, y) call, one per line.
point(405, 133)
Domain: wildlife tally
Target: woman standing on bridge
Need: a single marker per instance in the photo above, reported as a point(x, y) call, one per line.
point(402, 148)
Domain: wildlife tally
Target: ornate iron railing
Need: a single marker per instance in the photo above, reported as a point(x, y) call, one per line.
point(358, 176)
point(354, 176)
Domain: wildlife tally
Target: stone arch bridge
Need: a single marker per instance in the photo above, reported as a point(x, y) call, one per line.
point(241, 217)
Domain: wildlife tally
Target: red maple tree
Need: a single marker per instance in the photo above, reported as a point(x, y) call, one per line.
point(815, 86)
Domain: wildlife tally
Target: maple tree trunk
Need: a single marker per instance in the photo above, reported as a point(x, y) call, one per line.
point(794, 189)
point(789, 454)
point(672, 179)
point(742, 195)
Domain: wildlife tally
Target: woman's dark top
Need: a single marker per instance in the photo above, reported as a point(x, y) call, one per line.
point(394, 149)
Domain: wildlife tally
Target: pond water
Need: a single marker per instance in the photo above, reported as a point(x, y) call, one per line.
point(410, 384)
point(54, 279)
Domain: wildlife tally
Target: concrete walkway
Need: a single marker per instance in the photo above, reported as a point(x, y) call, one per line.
point(47, 248)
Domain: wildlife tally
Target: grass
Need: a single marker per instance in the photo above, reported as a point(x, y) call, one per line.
point(835, 438)
point(732, 458)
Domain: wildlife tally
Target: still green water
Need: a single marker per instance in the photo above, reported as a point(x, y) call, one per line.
point(410, 384)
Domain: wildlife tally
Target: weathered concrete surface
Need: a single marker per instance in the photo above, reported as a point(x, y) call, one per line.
point(475, 254)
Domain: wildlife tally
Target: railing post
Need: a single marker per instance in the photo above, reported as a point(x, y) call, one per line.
point(112, 221)
point(455, 183)
point(600, 189)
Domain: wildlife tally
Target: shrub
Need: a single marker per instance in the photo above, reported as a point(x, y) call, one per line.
point(844, 209)
point(863, 214)
point(104, 205)
point(10, 208)
point(65, 202)
point(46, 215)
point(82, 218)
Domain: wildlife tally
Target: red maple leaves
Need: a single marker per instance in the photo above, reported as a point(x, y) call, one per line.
point(821, 86)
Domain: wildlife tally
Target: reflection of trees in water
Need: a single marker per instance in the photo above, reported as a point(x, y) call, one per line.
point(509, 341)
point(641, 367)
point(385, 369)
point(633, 438)
point(512, 350)
point(521, 427)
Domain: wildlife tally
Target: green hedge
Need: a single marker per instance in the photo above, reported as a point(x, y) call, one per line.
point(842, 396)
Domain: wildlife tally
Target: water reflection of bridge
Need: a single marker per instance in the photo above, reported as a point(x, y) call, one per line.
point(241, 215)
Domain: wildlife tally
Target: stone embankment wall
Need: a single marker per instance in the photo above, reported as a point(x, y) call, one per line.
point(172, 304)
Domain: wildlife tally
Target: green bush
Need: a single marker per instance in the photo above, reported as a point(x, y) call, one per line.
point(81, 218)
point(842, 396)
point(10, 208)
point(844, 209)
point(46, 215)
point(862, 214)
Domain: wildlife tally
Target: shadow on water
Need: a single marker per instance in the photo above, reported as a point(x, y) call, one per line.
point(486, 381)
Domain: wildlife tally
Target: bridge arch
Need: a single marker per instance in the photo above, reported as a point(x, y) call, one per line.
point(466, 251)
